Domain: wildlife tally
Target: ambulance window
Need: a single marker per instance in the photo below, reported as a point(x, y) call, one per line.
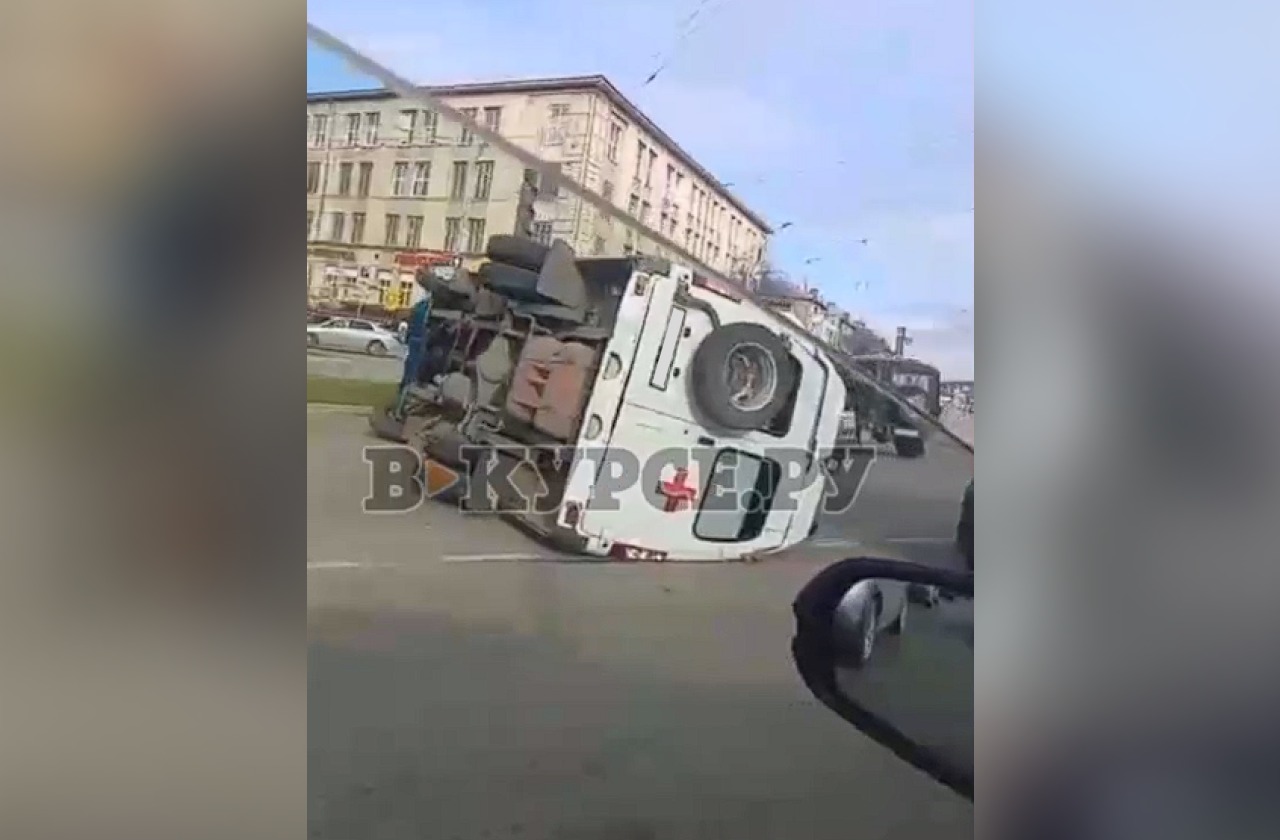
point(738, 497)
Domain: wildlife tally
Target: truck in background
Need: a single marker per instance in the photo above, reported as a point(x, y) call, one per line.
point(914, 382)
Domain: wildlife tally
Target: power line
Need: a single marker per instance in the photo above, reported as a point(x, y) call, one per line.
point(687, 27)
point(552, 173)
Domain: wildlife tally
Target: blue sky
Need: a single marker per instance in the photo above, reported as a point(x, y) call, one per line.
point(849, 121)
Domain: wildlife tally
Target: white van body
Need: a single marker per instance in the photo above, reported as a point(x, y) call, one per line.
point(645, 407)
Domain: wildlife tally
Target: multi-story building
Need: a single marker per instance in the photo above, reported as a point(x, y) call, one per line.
point(390, 185)
point(822, 319)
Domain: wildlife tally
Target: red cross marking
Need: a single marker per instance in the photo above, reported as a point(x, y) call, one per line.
point(679, 495)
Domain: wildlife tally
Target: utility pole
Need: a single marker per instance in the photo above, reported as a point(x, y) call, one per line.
point(901, 342)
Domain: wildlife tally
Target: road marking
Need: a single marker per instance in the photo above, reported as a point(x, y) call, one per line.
point(333, 565)
point(507, 558)
point(831, 542)
point(920, 540)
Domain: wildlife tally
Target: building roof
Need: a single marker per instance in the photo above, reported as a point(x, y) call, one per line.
point(598, 83)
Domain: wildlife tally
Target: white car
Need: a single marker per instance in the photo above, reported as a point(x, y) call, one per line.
point(354, 335)
point(872, 607)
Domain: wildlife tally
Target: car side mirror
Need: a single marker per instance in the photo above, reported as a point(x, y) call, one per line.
point(888, 646)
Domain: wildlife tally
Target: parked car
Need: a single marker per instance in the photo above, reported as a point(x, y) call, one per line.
point(354, 335)
point(964, 528)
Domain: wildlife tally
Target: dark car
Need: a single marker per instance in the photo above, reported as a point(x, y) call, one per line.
point(964, 528)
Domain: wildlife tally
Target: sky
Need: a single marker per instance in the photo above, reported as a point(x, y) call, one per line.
point(849, 122)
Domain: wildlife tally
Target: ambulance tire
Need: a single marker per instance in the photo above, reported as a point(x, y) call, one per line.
point(711, 392)
point(511, 281)
point(516, 251)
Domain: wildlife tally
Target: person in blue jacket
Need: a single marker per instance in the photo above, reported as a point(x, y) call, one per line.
point(415, 340)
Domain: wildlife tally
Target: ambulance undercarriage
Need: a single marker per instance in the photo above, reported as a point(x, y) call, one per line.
point(548, 377)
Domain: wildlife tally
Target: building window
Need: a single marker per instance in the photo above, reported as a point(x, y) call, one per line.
point(452, 233)
point(597, 247)
point(430, 125)
point(633, 206)
point(493, 119)
point(557, 112)
point(372, 122)
point(648, 169)
point(405, 296)
point(319, 131)
point(606, 191)
point(615, 140)
point(337, 226)
point(400, 179)
point(365, 182)
point(465, 137)
point(475, 236)
point(353, 130)
point(408, 126)
point(313, 177)
point(645, 208)
point(392, 230)
point(357, 228)
point(641, 157)
point(458, 186)
point(311, 222)
point(542, 232)
point(421, 178)
point(413, 236)
point(384, 292)
point(484, 180)
point(344, 178)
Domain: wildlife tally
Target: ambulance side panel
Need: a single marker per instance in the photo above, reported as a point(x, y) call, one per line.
point(649, 430)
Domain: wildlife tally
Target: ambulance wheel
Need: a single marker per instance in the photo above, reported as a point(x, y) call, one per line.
point(742, 376)
point(517, 251)
point(520, 284)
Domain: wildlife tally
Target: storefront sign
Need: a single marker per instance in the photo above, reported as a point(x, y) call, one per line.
point(426, 259)
point(332, 254)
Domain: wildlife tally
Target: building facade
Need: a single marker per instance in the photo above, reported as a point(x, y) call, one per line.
point(391, 186)
point(823, 319)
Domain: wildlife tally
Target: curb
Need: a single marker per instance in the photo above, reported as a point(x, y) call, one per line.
point(336, 408)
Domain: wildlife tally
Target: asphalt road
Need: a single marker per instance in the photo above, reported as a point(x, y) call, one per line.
point(908, 507)
point(459, 689)
point(353, 366)
point(922, 680)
